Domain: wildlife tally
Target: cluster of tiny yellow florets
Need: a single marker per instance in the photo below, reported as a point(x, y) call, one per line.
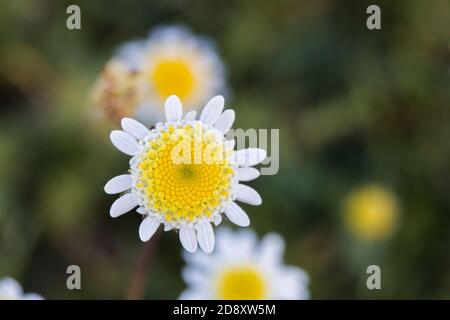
point(184, 173)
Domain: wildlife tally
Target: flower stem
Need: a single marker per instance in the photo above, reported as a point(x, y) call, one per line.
point(142, 269)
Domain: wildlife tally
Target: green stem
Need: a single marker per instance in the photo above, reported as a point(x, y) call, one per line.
point(142, 269)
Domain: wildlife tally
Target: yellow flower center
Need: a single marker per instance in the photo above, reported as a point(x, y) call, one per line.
point(184, 173)
point(173, 77)
point(241, 283)
point(371, 213)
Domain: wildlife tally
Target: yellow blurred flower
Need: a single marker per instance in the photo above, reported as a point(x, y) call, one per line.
point(144, 73)
point(243, 268)
point(371, 212)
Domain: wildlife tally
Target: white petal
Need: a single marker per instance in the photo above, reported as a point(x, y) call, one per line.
point(118, 184)
point(292, 283)
point(271, 249)
point(205, 235)
point(225, 121)
point(133, 127)
point(188, 239)
point(249, 157)
point(194, 276)
point(217, 219)
point(193, 294)
point(199, 260)
point(173, 108)
point(245, 245)
point(148, 228)
point(229, 144)
point(226, 242)
point(122, 205)
point(247, 173)
point(236, 215)
point(10, 289)
point(141, 210)
point(32, 296)
point(191, 115)
point(124, 142)
point(246, 194)
point(132, 54)
point(212, 110)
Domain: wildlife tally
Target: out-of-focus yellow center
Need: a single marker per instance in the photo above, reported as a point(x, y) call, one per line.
point(371, 212)
point(241, 283)
point(173, 77)
point(183, 176)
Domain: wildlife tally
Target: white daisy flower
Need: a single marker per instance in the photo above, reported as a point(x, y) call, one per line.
point(10, 289)
point(184, 173)
point(243, 269)
point(174, 62)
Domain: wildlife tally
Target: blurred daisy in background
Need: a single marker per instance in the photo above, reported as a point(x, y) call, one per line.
point(171, 61)
point(184, 173)
point(241, 268)
point(371, 212)
point(10, 289)
point(119, 90)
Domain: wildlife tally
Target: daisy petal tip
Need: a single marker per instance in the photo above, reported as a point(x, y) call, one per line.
point(122, 205)
point(260, 155)
point(188, 239)
point(225, 121)
point(237, 215)
point(247, 195)
point(206, 238)
point(107, 189)
point(125, 121)
point(220, 98)
point(217, 220)
point(213, 109)
point(118, 184)
point(173, 97)
point(124, 142)
point(173, 108)
point(244, 222)
point(190, 250)
point(208, 250)
point(148, 228)
point(217, 100)
point(113, 214)
point(112, 135)
point(249, 157)
point(263, 154)
point(245, 225)
point(133, 127)
point(247, 173)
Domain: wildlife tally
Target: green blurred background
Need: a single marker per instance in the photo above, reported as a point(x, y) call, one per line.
point(353, 106)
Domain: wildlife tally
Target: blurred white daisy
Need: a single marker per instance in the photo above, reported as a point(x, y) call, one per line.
point(10, 289)
point(243, 269)
point(184, 173)
point(171, 61)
